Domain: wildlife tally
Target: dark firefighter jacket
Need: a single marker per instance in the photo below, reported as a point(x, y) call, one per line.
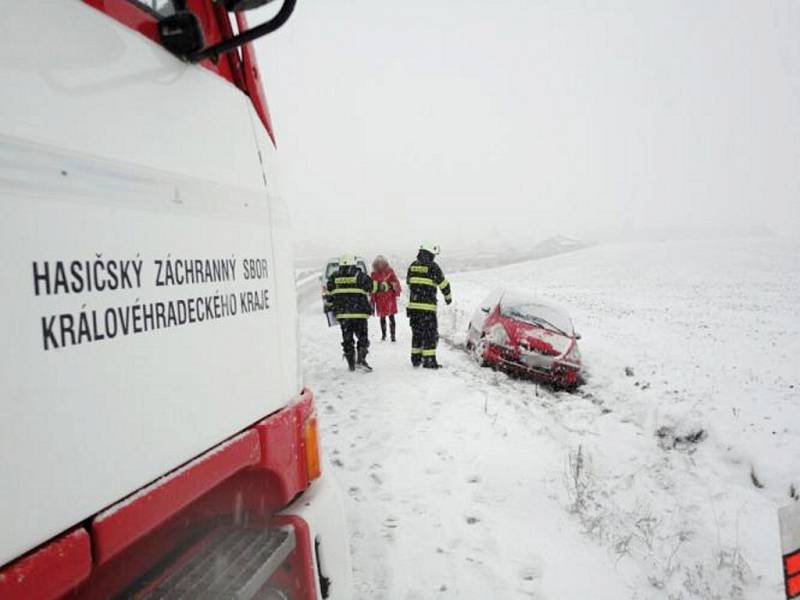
point(348, 293)
point(424, 277)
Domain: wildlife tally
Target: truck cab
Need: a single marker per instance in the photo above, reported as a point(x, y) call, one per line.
point(154, 418)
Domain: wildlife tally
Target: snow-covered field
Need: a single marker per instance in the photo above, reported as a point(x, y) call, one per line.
point(661, 478)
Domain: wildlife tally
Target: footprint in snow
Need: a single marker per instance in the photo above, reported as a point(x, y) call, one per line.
point(390, 522)
point(529, 573)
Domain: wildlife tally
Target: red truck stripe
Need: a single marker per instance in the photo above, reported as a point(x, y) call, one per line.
point(49, 572)
point(793, 587)
point(791, 564)
point(791, 570)
point(134, 518)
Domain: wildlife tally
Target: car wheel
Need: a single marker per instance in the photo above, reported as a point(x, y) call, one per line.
point(480, 351)
point(469, 345)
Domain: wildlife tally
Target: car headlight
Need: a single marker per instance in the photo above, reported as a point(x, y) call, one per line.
point(497, 335)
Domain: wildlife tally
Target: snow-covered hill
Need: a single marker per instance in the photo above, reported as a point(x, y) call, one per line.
point(660, 479)
point(496, 252)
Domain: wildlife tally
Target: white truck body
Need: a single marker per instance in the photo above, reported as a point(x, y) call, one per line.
point(114, 153)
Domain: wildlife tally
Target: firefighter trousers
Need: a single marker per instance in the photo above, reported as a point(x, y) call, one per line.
point(355, 328)
point(424, 335)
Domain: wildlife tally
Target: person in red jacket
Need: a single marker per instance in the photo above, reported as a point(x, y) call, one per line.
point(385, 303)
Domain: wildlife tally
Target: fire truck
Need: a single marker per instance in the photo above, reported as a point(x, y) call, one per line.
point(156, 440)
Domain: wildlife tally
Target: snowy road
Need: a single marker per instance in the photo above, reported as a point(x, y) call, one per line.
point(464, 483)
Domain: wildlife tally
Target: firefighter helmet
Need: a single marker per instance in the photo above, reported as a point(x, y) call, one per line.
point(347, 260)
point(432, 248)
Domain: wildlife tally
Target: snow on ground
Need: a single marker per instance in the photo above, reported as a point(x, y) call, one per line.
point(659, 479)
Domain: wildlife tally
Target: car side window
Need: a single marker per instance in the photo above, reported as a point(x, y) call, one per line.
point(162, 8)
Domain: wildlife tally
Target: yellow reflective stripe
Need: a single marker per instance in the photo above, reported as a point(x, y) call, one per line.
point(349, 291)
point(352, 316)
point(421, 281)
point(416, 351)
point(339, 280)
point(429, 352)
point(421, 306)
point(444, 284)
point(419, 268)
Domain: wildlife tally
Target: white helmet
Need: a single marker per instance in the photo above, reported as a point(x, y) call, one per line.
point(432, 248)
point(347, 260)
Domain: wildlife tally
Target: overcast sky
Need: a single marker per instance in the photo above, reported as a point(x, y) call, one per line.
point(454, 121)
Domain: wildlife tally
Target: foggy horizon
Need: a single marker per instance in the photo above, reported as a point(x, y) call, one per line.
point(631, 120)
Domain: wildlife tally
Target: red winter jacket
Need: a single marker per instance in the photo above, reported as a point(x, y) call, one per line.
point(386, 302)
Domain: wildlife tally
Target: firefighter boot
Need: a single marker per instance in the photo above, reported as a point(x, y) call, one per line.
point(429, 362)
point(351, 360)
point(362, 359)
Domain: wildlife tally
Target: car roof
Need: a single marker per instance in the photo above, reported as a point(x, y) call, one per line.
point(335, 259)
point(510, 297)
point(334, 262)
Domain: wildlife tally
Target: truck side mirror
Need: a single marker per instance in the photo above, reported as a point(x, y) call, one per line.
point(245, 37)
point(182, 35)
point(242, 5)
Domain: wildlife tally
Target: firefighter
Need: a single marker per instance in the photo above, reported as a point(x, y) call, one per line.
point(424, 277)
point(349, 288)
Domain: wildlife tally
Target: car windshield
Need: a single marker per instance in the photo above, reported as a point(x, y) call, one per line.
point(536, 313)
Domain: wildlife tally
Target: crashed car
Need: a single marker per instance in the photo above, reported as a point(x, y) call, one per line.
point(526, 336)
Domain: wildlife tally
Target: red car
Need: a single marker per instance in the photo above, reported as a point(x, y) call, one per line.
point(523, 335)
